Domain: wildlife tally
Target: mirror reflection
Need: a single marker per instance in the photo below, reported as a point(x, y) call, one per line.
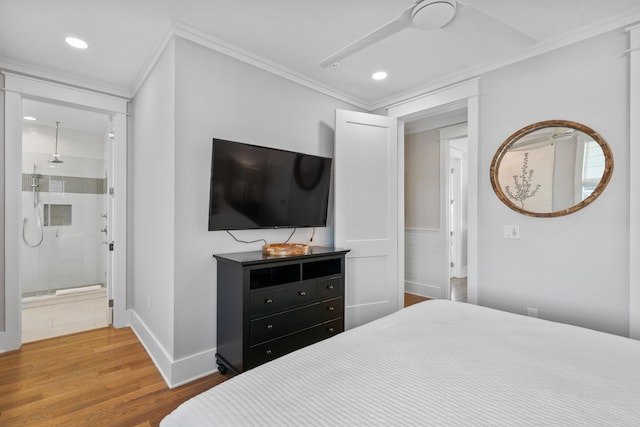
point(551, 168)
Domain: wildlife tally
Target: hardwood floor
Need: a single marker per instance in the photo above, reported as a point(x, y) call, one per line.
point(99, 377)
point(410, 299)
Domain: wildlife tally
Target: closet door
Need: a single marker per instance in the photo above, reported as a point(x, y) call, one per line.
point(366, 212)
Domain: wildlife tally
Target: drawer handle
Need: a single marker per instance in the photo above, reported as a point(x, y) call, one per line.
point(330, 329)
point(268, 352)
point(331, 308)
point(302, 293)
point(268, 301)
point(269, 326)
point(330, 287)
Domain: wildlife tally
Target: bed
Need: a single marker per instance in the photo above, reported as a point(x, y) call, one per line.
point(436, 363)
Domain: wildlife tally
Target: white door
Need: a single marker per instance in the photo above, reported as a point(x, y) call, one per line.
point(366, 212)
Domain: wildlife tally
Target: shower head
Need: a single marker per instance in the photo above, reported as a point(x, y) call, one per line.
point(55, 157)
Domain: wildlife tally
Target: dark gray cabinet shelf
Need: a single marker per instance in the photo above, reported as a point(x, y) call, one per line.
point(271, 306)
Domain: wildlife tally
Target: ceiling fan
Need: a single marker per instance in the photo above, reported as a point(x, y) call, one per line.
point(423, 14)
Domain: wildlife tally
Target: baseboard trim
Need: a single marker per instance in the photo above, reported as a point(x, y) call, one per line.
point(423, 289)
point(461, 273)
point(192, 367)
point(158, 355)
point(174, 372)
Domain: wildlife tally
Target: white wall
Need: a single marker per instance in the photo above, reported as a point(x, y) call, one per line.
point(574, 268)
point(215, 96)
point(152, 205)
point(422, 179)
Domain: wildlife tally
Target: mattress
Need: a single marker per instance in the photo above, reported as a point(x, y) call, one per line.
point(437, 363)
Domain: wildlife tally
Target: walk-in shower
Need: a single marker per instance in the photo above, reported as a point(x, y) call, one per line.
point(64, 210)
point(64, 206)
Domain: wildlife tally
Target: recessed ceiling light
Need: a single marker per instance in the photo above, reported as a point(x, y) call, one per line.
point(77, 43)
point(379, 75)
point(29, 118)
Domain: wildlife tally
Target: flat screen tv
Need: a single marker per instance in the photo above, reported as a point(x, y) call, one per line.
point(261, 187)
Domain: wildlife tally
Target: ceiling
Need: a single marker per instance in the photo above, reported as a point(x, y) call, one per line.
point(292, 37)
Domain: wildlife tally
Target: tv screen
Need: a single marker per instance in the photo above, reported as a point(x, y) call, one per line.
point(261, 187)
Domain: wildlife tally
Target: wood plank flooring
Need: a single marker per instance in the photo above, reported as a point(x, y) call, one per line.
point(102, 377)
point(410, 299)
point(94, 378)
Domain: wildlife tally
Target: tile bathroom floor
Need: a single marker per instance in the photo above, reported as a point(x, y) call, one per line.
point(48, 317)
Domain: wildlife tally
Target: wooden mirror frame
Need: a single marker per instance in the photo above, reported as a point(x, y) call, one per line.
point(513, 139)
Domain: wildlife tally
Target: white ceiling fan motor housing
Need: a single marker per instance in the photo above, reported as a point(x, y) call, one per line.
point(430, 15)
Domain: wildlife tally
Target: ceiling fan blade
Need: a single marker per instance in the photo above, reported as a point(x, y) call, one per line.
point(400, 23)
point(566, 134)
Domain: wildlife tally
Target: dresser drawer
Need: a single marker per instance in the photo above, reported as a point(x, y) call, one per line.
point(277, 325)
point(269, 301)
point(270, 350)
point(301, 293)
point(329, 288)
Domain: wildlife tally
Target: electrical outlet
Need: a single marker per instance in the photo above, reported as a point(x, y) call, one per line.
point(532, 312)
point(511, 232)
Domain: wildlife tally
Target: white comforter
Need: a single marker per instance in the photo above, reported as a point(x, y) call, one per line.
point(436, 363)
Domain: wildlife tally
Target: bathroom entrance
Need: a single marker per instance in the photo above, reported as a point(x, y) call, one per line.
point(65, 227)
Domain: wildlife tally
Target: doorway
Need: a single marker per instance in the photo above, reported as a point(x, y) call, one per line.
point(65, 214)
point(461, 95)
point(435, 163)
point(17, 89)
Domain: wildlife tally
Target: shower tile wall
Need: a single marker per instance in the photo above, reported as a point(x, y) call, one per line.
point(67, 184)
point(70, 255)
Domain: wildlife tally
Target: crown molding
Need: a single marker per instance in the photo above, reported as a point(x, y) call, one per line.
point(153, 60)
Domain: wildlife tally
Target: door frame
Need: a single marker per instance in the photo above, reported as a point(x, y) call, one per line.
point(468, 92)
point(18, 87)
point(454, 201)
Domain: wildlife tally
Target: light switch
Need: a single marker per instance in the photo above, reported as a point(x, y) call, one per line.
point(511, 232)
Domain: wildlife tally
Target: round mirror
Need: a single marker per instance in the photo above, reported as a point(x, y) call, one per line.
point(551, 168)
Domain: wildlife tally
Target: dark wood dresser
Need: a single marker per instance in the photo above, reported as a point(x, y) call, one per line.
point(271, 306)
